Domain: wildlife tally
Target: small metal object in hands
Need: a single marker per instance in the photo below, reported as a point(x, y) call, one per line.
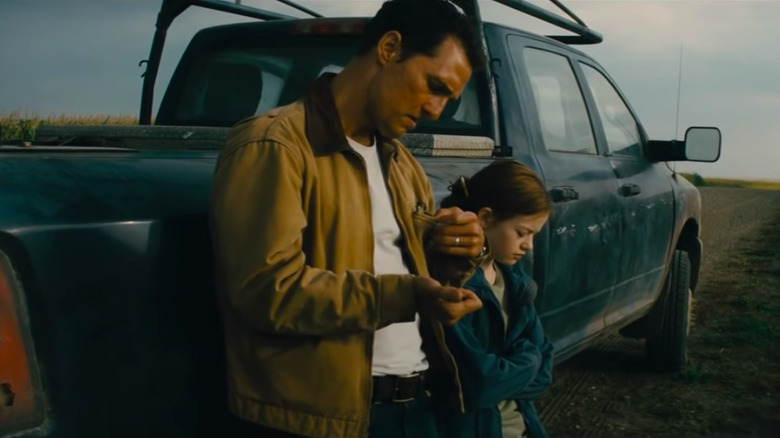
point(457, 241)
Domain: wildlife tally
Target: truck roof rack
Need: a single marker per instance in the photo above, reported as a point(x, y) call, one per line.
point(171, 9)
point(584, 35)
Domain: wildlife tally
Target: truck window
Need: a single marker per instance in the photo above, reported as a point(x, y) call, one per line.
point(225, 86)
point(563, 117)
point(224, 83)
point(620, 126)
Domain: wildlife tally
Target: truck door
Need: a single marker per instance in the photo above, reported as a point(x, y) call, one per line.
point(577, 264)
point(645, 195)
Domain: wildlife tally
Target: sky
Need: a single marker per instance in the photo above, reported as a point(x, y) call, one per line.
point(81, 57)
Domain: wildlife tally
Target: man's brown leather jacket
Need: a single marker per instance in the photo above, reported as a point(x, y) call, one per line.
point(291, 223)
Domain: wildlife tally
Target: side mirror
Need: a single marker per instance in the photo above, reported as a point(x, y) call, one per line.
point(701, 144)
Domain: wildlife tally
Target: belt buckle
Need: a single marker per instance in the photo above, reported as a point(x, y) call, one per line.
point(397, 386)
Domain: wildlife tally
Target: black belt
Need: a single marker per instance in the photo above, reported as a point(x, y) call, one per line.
point(398, 389)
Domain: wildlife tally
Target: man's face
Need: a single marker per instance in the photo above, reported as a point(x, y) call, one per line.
point(418, 87)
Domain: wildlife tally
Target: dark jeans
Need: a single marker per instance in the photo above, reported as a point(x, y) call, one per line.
point(414, 419)
point(247, 429)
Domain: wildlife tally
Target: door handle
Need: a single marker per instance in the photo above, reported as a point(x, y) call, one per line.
point(563, 194)
point(630, 190)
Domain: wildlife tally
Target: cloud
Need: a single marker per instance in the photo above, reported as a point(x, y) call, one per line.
point(82, 57)
point(652, 27)
point(729, 72)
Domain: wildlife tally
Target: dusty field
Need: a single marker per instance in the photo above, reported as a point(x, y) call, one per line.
point(731, 385)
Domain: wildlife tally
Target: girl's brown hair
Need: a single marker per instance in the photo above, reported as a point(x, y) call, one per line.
point(507, 187)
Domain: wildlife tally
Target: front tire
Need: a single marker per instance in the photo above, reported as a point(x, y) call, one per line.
point(667, 351)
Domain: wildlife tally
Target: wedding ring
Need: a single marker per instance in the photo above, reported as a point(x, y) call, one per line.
point(457, 241)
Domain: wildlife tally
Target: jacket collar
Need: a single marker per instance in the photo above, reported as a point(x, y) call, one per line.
point(323, 125)
point(520, 287)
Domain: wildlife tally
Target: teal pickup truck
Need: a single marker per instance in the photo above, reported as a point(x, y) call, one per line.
point(108, 320)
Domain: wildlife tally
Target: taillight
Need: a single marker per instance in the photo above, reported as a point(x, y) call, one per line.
point(21, 398)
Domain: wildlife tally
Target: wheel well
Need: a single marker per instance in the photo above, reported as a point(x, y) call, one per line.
point(689, 242)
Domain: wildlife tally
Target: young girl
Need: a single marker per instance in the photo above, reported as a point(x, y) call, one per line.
point(504, 359)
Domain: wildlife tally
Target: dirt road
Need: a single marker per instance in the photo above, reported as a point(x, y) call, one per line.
point(731, 385)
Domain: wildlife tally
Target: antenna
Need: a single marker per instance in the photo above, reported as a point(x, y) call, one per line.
point(679, 85)
point(677, 113)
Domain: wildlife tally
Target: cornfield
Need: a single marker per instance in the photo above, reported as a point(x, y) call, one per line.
point(21, 126)
point(700, 181)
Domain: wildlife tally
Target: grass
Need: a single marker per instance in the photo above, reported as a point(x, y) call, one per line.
point(751, 322)
point(746, 330)
point(734, 355)
point(700, 181)
point(21, 126)
point(692, 374)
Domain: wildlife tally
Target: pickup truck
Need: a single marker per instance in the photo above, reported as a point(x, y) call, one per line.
point(108, 315)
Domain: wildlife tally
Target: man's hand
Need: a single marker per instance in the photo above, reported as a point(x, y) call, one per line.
point(444, 303)
point(457, 232)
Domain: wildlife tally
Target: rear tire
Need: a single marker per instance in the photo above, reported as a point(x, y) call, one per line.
point(667, 351)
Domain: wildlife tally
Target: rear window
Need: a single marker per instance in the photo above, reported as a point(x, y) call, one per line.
point(221, 85)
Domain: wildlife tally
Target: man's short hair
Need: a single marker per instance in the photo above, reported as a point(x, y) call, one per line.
point(423, 25)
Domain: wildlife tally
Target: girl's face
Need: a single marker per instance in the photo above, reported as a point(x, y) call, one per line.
point(511, 238)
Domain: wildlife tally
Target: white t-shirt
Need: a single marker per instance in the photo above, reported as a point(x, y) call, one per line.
point(397, 347)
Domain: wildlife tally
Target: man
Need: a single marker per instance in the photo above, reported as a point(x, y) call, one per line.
point(320, 226)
